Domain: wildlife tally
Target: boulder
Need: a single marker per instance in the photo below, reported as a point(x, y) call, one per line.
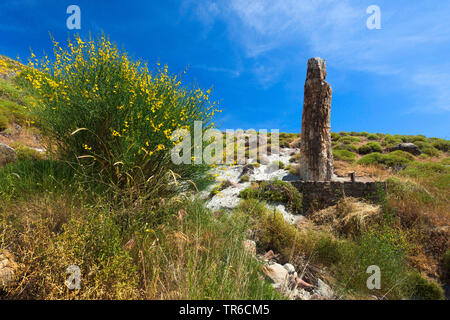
point(323, 290)
point(277, 273)
point(407, 147)
point(8, 268)
point(7, 154)
point(290, 268)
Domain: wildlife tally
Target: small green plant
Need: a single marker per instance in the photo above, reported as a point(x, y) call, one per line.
point(244, 178)
point(440, 144)
point(344, 155)
point(349, 147)
point(349, 140)
point(275, 191)
point(295, 157)
point(417, 287)
point(385, 160)
point(402, 154)
point(369, 148)
point(373, 136)
point(291, 170)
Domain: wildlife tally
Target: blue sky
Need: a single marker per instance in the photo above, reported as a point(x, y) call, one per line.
point(254, 54)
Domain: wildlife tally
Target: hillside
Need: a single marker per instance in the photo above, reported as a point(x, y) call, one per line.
point(138, 227)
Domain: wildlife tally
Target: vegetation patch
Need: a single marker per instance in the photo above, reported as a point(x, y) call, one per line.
point(275, 191)
point(344, 155)
point(369, 148)
point(385, 160)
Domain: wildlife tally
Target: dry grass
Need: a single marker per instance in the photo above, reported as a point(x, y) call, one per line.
point(349, 217)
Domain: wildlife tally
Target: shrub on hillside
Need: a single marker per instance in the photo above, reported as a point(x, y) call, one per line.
point(417, 287)
point(335, 136)
point(440, 144)
point(349, 140)
point(348, 147)
point(373, 137)
point(428, 149)
point(344, 155)
point(390, 140)
point(369, 148)
point(100, 108)
point(402, 154)
point(386, 160)
point(275, 191)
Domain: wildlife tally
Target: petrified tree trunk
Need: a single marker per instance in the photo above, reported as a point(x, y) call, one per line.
point(316, 159)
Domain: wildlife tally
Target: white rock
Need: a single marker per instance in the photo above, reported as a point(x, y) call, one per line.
point(303, 295)
point(7, 154)
point(290, 268)
point(324, 290)
point(277, 273)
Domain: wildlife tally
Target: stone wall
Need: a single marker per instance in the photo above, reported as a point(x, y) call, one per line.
point(321, 194)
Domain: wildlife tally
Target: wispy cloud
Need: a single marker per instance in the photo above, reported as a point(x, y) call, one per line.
point(336, 30)
point(233, 73)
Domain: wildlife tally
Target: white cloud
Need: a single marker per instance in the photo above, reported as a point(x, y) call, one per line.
point(336, 31)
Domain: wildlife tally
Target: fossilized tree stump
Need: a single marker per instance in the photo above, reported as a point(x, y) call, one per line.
point(316, 158)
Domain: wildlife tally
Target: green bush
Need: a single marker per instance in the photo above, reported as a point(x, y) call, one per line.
point(348, 147)
point(369, 148)
point(244, 178)
point(335, 136)
point(414, 139)
point(391, 141)
point(373, 137)
point(446, 161)
point(100, 108)
point(386, 160)
point(402, 154)
point(440, 144)
point(349, 140)
point(295, 157)
point(431, 151)
point(344, 155)
point(416, 287)
point(275, 191)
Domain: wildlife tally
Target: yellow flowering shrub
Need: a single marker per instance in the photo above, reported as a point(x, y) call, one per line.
point(98, 106)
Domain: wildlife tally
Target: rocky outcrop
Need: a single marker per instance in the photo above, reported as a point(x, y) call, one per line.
point(408, 147)
point(316, 161)
point(286, 280)
point(7, 154)
point(8, 268)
